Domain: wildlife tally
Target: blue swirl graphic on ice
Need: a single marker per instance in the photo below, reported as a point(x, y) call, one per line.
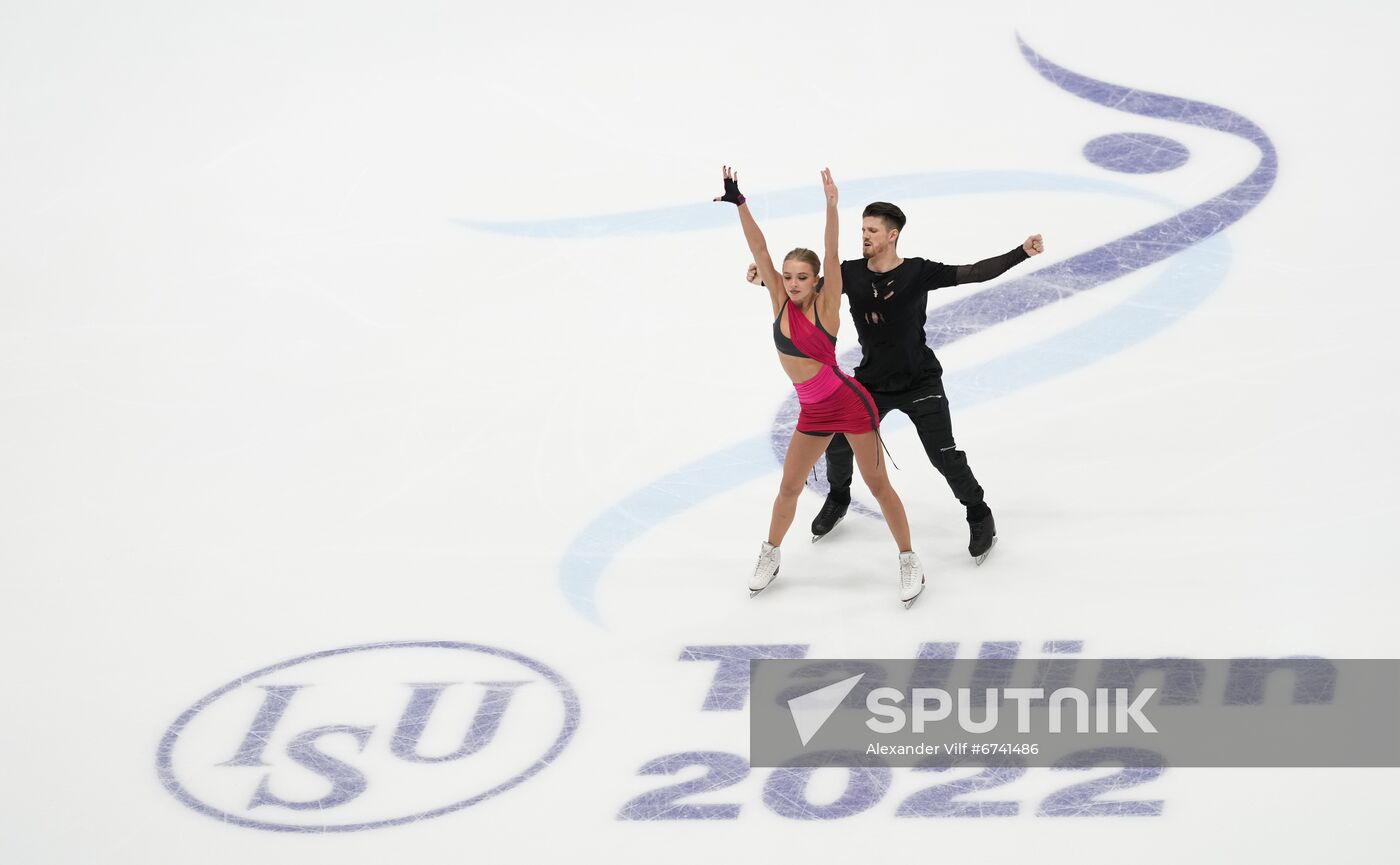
point(1136, 153)
point(1192, 238)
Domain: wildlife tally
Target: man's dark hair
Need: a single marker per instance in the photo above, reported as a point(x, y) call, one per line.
point(893, 216)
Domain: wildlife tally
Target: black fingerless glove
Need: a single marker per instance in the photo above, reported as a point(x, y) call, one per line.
point(732, 193)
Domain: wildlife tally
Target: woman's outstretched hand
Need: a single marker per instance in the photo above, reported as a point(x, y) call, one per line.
point(731, 188)
point(829, 186)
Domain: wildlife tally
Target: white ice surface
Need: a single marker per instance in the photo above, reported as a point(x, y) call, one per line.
point(261, 395)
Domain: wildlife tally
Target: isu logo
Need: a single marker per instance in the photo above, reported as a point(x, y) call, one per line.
point(367, 736)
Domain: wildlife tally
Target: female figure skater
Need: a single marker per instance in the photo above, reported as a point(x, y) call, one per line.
point(806, 317)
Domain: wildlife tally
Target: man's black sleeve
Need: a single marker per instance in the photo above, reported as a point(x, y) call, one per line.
point(989, 268)
point(936, 274)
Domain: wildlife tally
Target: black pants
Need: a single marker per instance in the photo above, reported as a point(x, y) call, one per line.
point(927, 406)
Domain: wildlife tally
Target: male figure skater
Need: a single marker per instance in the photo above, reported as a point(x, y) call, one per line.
point(889, 304)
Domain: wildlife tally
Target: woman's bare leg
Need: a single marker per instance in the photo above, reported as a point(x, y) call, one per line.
point(872, 471)
point(803, 452)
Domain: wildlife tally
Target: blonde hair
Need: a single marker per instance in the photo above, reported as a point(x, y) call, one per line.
point(807, 256)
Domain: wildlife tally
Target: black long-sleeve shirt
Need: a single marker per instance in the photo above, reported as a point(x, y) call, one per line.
point(890, 310)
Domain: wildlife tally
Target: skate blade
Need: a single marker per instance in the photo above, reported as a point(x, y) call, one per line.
point(982, 558)
point(909, 603)
point(753, 593)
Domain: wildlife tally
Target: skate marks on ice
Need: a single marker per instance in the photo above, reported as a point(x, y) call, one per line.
point(1192, 238)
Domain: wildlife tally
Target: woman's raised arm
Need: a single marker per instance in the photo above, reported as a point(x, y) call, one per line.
point(831, 257)
point(758, 246)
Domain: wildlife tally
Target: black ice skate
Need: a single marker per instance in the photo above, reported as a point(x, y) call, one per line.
point(982, 536)
point(832, 512)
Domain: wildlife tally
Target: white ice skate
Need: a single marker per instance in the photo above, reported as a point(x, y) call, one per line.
point(766, 571)
point(911, 579)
